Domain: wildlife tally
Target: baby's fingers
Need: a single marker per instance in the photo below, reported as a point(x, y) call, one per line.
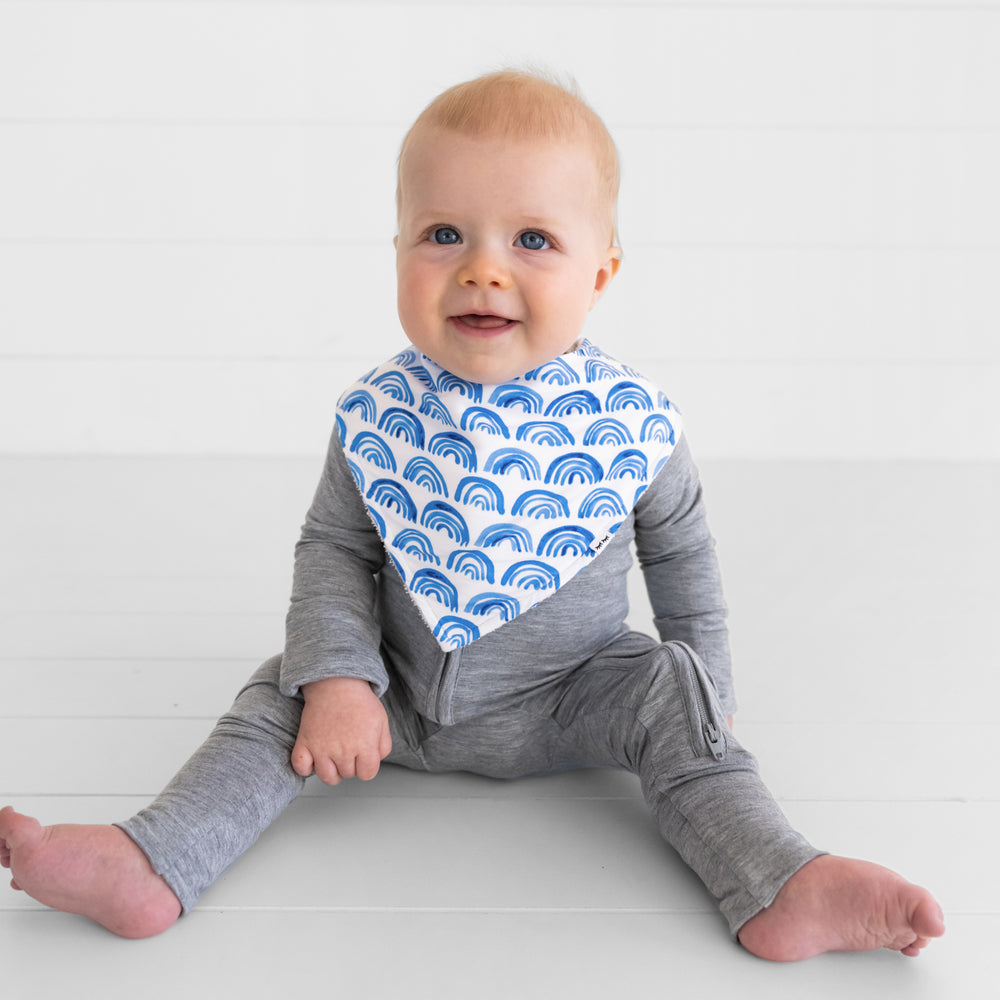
point(366, 766)
point(329, 772)
point(302, 760)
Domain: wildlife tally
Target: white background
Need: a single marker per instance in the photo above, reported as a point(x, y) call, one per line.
point(196, 214)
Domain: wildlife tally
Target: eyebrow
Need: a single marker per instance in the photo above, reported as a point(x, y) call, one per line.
point(541, 222)
point(526, 221)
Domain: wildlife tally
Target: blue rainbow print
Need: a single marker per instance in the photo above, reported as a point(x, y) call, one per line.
point(567, 540)
point(549, 432)
point(530, 574)
point(506, 461)
point(395, 386)
point(657, 428)
point(628, 464)
point(421, 375)
point(359, 476)
point(472, 563)
point(431, 406)
point(449, 444)
point(424, 472)
point(607, 430)
point(504, 605)
point(399, 423)
point(405, 358)
point(433, 583)
point(452, 632)
point(576, 466)
point(626, 395)
point(447, 382)
point(362, 401)
point(512, 396)
point(416, 543)
point(565, 451)
point(481, 493)
point(373, 449)
point(388, 493)
point(556, 372)
point(478, 418)
point(540, 504)
point(602, 502)
point(600, 368)
point(439, 516)
point(514, 535)
point(580, 401)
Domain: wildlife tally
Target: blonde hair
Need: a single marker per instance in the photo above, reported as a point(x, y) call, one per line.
point(515, 104)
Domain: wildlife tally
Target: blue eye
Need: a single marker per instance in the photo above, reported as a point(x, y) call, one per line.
point(532, 241)
point(445, 236)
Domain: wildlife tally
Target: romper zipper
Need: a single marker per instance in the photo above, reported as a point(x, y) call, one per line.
point(714, 740)
point(711, 733)
point(445, 697)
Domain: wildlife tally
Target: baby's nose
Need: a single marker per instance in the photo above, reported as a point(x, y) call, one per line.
point(484, 268)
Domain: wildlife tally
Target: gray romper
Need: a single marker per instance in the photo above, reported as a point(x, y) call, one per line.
point(564, 685)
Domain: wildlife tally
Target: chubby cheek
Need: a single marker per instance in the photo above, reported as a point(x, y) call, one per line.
point(415, 300)
point(564, 309)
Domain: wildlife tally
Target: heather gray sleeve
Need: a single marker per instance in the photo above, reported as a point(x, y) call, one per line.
point(331, 630)
point(677, 554)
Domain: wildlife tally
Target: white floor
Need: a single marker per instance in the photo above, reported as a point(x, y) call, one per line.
point(135, 595)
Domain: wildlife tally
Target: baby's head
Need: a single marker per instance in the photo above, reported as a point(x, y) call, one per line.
point(506, 203)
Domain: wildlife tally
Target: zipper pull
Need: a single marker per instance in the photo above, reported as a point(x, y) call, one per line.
point(714, 739)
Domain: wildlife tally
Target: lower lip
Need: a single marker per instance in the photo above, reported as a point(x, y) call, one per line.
point(478, 331)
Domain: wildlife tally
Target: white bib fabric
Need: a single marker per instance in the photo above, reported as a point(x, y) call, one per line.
point(488, 498)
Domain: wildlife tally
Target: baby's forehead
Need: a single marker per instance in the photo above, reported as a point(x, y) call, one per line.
point(432, 151)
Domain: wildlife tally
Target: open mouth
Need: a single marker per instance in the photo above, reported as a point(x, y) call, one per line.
point(487, 323)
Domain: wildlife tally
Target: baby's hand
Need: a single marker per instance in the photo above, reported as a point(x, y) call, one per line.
point(344, 731)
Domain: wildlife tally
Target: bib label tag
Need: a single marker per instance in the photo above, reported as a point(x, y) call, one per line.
point(599, 543)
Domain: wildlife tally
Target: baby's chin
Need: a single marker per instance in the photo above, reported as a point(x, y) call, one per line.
point(487, 354)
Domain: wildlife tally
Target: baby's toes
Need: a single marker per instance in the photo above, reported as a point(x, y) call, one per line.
point(916, 947)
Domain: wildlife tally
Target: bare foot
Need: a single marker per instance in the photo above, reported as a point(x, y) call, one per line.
point(96, 871)
point(839, 904)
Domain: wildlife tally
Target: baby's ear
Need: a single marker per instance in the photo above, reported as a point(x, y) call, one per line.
point(604, 275)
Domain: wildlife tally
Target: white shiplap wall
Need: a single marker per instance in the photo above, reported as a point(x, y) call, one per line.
point(196, 213)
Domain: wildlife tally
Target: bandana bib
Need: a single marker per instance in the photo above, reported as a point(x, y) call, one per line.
point(488, 498)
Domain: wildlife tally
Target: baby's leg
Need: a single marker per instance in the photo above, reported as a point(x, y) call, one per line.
point(227, 794)
point(137, 882)
point(659, 717)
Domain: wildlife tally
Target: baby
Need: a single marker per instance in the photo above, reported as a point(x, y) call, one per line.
point(459, 593)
